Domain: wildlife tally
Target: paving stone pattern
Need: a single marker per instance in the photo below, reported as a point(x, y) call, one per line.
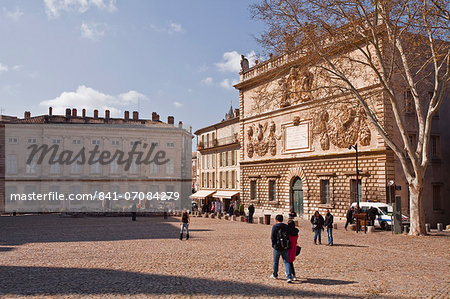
point(48, 256)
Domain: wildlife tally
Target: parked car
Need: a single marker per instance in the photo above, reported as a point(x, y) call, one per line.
point(385, 212)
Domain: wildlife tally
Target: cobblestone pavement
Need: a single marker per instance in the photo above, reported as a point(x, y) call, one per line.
point(50, 256)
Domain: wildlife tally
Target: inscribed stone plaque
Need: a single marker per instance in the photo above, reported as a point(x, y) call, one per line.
point(297, 137)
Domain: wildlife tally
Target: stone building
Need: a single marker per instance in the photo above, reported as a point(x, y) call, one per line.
point(218, 163)
point(72, 134)
point(296, 143)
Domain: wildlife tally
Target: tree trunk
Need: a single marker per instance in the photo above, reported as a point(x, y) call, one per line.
point(416, 211)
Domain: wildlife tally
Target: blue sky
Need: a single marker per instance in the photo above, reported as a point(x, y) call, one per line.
point(175, 57)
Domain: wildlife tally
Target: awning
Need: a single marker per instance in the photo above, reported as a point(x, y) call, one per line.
point(202, 193)
point(225, 194)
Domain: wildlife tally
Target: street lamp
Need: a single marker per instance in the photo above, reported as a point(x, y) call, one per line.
point(357, 175)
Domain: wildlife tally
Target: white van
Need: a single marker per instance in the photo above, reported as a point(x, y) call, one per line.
point(385, 211)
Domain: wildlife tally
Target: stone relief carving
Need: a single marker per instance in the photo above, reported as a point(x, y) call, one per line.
point(289, 90)
point(344, 127)
point(259, 142)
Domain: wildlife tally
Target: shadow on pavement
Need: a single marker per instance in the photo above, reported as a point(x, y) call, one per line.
point(66, 281)
point(52, 228)
point(349, 245)
point(325, 281)
point(6, 249)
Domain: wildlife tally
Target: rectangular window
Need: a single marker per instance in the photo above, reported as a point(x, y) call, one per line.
point(272, 190)
point(170, 144)
point(55, 168)
point(95, 168)
point(154, 168)
point(233, 179)
point(115, 142)
point(353, 190)
point(214, 180)
point(114, 167)
point(213, 161)
point(434, 143)
point(221, 179)
point(437, 197)
point(208, 180)
point(170, 167)
point(31, 167)
point(13, 140)
point(134, 168)
point(11, 164)
point(76, 141)
point(32, 140)
point(220, 159)
point(325, 191)
point(232, 158)
point(226, 179)
point(253, 190)
point(56, 141)
point(409, 101)
point(95, 142)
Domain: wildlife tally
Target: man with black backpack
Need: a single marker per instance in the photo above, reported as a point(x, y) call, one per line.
point(281, 245)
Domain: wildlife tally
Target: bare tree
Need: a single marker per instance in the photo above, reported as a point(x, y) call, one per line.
point(404, 44)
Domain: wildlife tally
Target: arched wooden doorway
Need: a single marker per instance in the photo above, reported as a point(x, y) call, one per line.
point(297, 195)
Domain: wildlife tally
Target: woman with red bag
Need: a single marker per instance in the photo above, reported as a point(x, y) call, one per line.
point(292, 253)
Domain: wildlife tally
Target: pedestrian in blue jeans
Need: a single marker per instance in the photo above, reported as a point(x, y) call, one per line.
point(185, 221)
point(317, 226)
point(329, 226)
point(279, 249)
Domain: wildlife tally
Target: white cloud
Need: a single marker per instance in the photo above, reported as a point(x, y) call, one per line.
point(174, 28)
point(177, 104)
point(93, 31)
point(3, 68)
point(231, 61)
point(170, 28)
point(53, 8)
point(17, 67)
point(207, 81)
point(13, 15)
point(228, 83)
point(90, 99)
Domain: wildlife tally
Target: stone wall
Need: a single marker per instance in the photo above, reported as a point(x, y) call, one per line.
point(340, 170)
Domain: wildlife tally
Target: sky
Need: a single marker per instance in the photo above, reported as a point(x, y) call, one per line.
point(174, 57)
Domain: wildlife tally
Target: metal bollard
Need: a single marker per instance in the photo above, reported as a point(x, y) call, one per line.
point(427, 227)
point(405, 229)
point(439, 227)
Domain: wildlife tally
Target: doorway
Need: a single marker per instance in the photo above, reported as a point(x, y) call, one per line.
point(297, 195)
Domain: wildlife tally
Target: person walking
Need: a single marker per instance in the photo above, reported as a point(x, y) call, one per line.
point(231, 210)
point(349, 216)
point(329, 226)
point(251, 211)
point(293, 238)
point(185, 221)
point(133, 212)
point(317, 226)
point(280, 244)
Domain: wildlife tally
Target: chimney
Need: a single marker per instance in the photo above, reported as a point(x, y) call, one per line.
point(135, 115)
point(68, 112)
point(170, 120)
point(236, 112)
point(27, 115)
point(107, 114)
point(126, 115)
point(180, 124)
point(95, 113)
point(154, 116)
point(74, 112)
point(84, 113)
point(50, 111)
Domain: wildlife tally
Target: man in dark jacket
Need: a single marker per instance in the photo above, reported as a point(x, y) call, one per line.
point(349, 217)
point(284, 253)
point(231, 210)
point(372, 214)
point(329, 226)
point(251, 211)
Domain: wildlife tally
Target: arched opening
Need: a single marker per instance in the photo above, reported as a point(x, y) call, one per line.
point(297, 196)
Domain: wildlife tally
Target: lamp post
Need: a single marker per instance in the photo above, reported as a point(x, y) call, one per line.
point(357, 175)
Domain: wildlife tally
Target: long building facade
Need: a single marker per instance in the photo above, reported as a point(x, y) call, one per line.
point(298, 144)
